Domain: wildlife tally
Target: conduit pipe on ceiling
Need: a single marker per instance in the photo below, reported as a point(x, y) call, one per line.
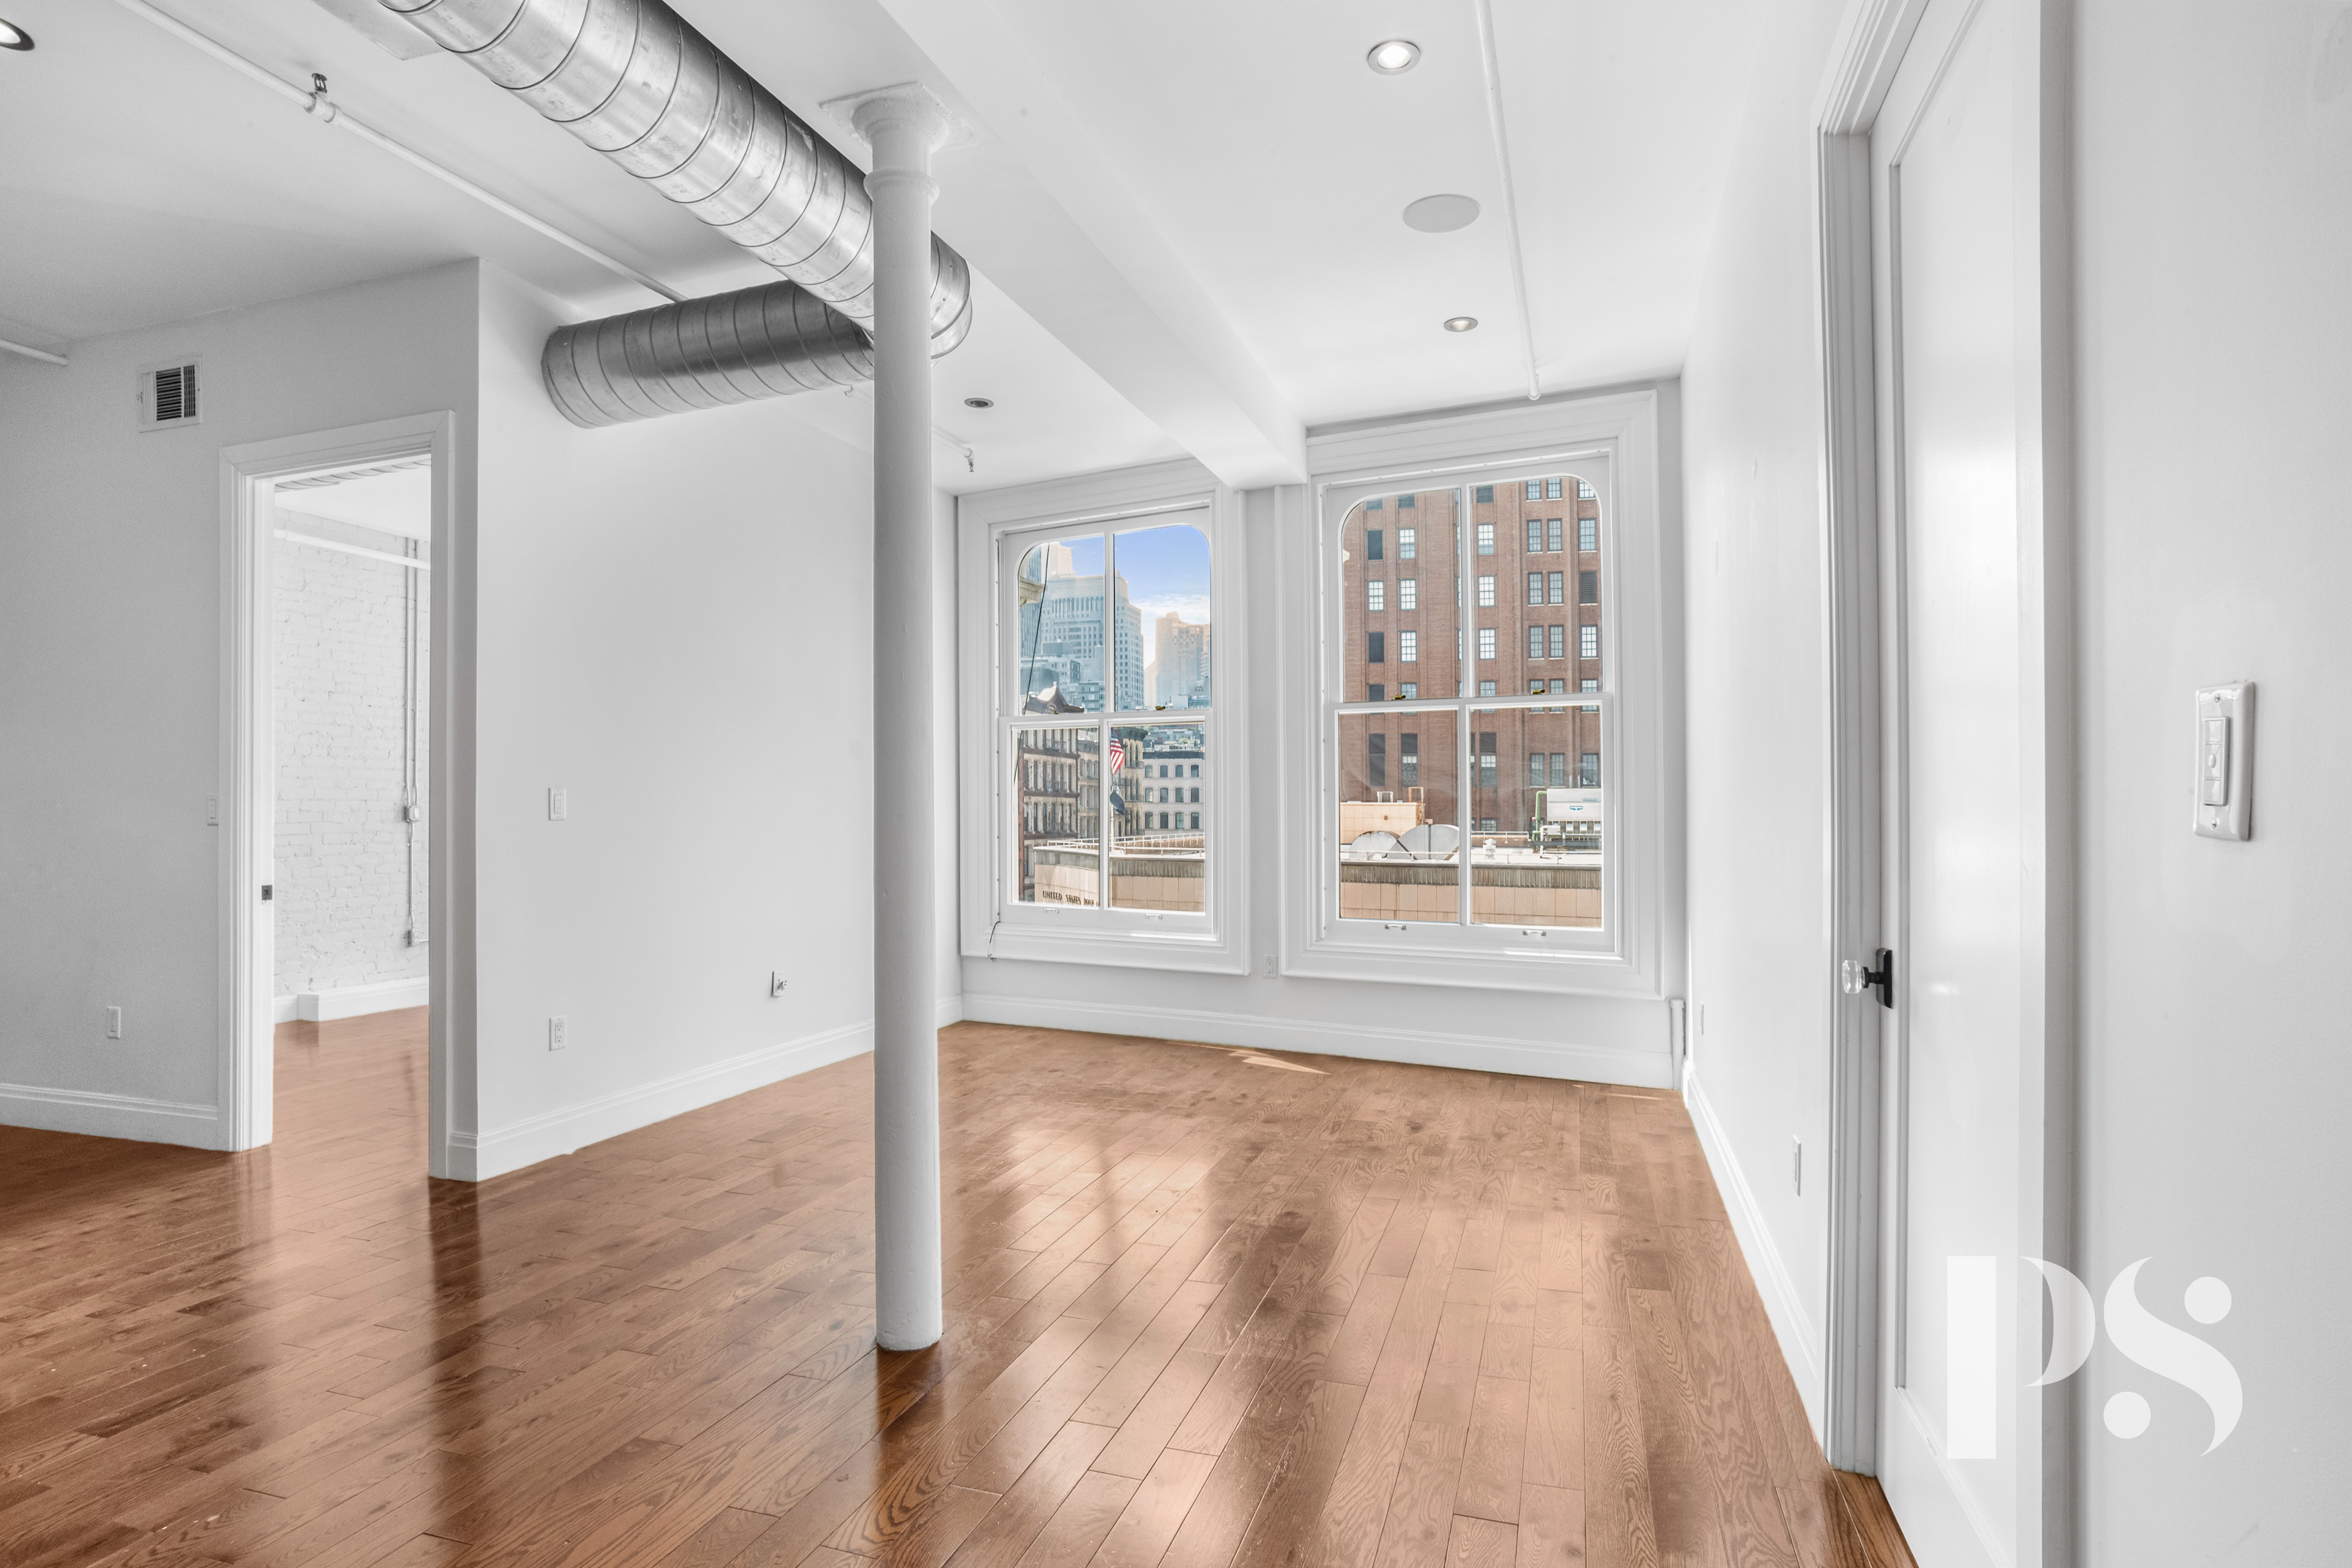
point(313, 101)
point(634, 81)
point(29, 352)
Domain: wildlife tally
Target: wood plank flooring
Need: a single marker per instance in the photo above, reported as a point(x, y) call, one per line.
point(1207, 1309)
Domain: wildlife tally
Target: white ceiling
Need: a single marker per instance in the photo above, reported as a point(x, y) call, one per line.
point(1186, 218)
point(399, 502)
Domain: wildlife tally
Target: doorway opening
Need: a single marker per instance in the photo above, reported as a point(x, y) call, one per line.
point(335, 877)
point(350, 628)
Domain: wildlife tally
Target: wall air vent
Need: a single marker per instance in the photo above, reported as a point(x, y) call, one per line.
point(167, 395)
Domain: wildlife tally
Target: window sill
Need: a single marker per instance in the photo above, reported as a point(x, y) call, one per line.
point(1037, 939)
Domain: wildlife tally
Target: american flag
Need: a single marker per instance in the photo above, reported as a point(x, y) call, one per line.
point(1117, 755)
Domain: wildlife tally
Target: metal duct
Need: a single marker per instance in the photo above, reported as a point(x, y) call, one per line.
point(766, 341)
point(632, 79)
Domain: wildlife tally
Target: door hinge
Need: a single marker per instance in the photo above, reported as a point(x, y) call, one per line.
point(1860, 977)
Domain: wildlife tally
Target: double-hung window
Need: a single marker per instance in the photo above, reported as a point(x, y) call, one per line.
point(1100, 662)
point(1522, 843)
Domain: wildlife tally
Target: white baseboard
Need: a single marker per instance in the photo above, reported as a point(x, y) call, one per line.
point(1525, 1058)
point(110, 1115)
point(1927, 1495)
point(350, 1001)
point(477, 1157)
point(950, 1010)
point(1801, 1343)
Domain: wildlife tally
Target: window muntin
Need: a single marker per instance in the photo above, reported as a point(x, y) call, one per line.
point(1588, 643)
point(1588, 534)
point(1408, 647)
point(1407, 542)
point(1408, 593)
point(1376, 596)
point(1534, 852)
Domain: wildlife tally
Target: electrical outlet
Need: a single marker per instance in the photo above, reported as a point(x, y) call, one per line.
point(555, 1033)
point(115, 1023)
point(1271, 970)
point(776, 983)
point(212, 811)
point(1797, 1165)
point(558, 805)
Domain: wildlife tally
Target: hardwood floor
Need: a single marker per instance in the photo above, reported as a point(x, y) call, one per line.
point(1207, 1309)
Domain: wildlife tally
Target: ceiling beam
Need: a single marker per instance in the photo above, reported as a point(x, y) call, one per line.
point(1051, 222)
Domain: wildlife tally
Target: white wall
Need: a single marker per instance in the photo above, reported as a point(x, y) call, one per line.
point(1753, 445)
point(347, 875)
point(2215, 295)
point(673, 624)
point(2214, 334)
point(1609, 1038)
point(111, 709)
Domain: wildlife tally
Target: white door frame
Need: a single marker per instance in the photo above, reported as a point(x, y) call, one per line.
point(248, 745)
point(1861, 579)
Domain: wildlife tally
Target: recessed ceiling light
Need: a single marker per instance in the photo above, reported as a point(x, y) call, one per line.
point(1394, 57)
point(13, 37)
point(1441, 215)
point(980, 403)
point(1461, 323)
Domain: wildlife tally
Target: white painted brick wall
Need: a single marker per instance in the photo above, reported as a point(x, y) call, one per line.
point(344, 865)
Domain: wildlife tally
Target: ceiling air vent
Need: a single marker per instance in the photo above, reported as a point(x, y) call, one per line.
point(167, 395)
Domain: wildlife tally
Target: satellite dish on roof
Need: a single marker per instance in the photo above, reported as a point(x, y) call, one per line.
point(1431, 840)
point(1379, 841)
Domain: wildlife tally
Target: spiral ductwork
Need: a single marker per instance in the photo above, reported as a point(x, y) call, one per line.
point(632, 79)
point(766, 341)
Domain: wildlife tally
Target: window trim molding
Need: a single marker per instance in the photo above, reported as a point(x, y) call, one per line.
point(1218, 940)
point(1623, 430)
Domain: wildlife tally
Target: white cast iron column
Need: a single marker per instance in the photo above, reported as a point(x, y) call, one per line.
point(903, 129)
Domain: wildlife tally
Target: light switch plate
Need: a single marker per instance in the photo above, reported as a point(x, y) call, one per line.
point(2224, 777)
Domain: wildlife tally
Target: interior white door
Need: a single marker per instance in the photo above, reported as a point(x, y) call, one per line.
point(1945, 162)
